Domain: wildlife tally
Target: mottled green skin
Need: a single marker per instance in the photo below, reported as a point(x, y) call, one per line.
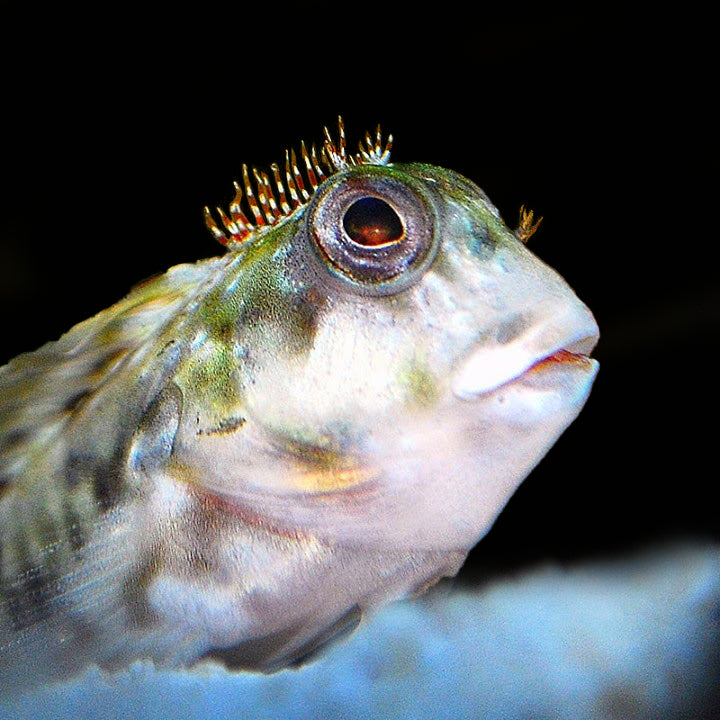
point(244, 454)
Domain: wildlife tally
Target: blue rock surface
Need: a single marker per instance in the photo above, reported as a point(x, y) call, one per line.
point(630, 639)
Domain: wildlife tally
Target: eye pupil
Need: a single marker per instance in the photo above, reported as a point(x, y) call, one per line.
point(371, 221)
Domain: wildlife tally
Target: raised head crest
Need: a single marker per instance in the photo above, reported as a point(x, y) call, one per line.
point(296, 190)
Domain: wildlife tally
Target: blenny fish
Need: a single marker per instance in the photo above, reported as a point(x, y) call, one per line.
point(245, 454)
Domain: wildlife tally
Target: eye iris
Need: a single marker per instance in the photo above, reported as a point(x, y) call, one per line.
point(371, 221)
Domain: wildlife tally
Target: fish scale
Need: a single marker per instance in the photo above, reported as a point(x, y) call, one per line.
point(246, 454)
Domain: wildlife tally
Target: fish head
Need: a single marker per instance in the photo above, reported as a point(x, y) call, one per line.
point(401, 361)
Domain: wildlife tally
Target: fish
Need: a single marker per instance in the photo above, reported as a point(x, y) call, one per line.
point(247, 454)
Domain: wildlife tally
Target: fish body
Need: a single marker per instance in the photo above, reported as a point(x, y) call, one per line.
point(245, 454)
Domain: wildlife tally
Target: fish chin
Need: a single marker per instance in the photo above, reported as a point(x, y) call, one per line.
point(464, 471)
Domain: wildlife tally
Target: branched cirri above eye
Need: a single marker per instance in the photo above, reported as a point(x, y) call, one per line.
point(295, 190)
point(371, 222)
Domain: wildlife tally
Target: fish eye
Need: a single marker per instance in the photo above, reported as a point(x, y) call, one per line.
point(374, 227)
point(370, 221)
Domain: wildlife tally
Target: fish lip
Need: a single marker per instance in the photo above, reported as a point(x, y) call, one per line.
point(560, 356)
point(575, 350)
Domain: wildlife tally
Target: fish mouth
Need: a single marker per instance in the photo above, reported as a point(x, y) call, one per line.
point(488, 367)
point(561, 356)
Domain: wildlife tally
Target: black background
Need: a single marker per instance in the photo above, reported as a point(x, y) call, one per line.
point(120, 123)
